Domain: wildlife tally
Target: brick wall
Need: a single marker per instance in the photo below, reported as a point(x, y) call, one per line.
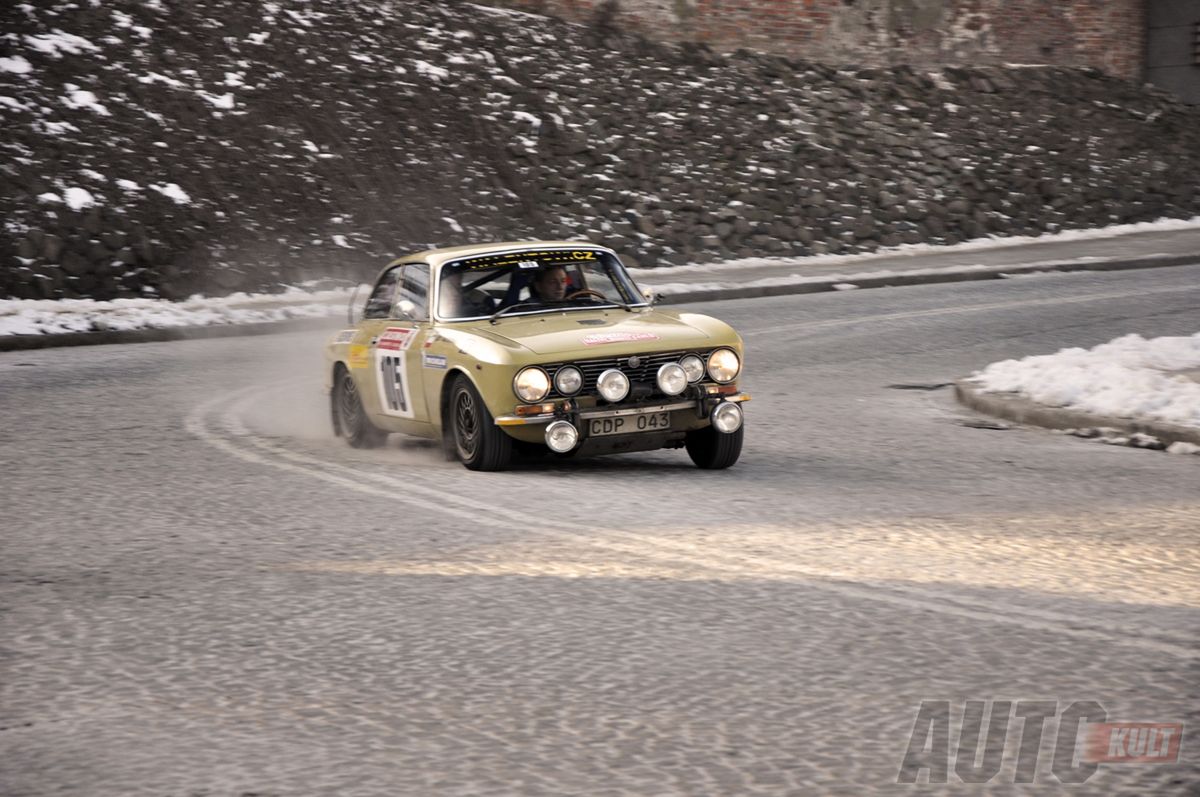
point(1108, 34)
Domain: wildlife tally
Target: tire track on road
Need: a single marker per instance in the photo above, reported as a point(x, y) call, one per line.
point(417, 490)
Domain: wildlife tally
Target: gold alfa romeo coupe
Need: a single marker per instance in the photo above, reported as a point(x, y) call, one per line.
point(533, 346)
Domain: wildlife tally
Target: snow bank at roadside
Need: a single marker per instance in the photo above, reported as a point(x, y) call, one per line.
point(40, 317)
point(1126, 377)
point(918, 250)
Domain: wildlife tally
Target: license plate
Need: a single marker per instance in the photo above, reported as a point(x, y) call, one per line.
point(626, 424)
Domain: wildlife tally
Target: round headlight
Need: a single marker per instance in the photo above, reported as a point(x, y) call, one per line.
point(727, 417)
point(568, 380)
point(723, 365)
point(561, 436)
point(672, 379)
point(693, 366)
point(531, 384)
point(613, 385)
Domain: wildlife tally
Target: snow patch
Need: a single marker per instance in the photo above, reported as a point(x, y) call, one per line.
point(79, 99)
point(15, 64)
point(222, 101)
point(1126, 377)
point(78, 198)
point(55, 43)
point(173, 192)
point(432, 72)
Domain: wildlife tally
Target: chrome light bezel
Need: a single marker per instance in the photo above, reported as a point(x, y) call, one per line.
point(566, 369)
point(606, 376)
point(531, 397)
point(661, 377)
point(698, 369)
point(565, 426)
point(720, 377)
point(726, 409)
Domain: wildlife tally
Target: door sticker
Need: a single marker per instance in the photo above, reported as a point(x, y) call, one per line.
point(395, 398)
point(396, 338)
point(360, 356)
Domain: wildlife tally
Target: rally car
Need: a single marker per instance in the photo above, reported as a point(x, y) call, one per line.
point(543, 347)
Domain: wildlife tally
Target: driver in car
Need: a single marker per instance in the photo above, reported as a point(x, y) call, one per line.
point(549, 284)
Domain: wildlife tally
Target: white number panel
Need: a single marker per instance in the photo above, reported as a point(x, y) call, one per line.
point(395, 396)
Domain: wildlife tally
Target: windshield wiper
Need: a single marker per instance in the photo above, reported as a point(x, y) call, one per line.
point(527, 303)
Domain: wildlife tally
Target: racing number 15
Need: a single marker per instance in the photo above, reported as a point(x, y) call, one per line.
point(391, 376)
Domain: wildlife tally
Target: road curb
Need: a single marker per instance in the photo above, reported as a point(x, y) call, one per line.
point(1012, 407)
point(928, 278)
point(160, 334)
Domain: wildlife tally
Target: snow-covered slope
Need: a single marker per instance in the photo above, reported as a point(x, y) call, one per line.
point(161, 148)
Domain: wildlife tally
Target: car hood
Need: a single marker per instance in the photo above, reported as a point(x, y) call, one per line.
point(595, 334)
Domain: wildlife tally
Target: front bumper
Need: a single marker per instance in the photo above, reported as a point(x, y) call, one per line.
point(567, 411)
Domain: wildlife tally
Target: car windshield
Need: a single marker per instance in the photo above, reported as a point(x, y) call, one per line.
point(537, 280)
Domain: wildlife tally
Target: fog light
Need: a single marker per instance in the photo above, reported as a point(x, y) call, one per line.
point(613, 385)
point(672, 379)
point(693, 366)
point(727, 417)
point(561, 436)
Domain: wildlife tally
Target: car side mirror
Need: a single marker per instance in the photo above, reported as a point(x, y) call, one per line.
point(651, 297)
point(406, 309)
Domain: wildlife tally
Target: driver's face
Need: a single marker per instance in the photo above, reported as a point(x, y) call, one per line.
point(552, 284)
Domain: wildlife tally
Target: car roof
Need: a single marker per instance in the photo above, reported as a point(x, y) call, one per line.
point(436, 257)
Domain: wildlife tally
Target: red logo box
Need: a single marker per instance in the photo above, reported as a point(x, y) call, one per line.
point(1134, 742)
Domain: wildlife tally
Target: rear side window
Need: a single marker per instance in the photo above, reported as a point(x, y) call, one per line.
point(379, 303)
point(414, 286)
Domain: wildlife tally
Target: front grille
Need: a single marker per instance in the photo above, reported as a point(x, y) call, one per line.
point(644, 373)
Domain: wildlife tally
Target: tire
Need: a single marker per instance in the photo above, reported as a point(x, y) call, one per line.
point(479, 443)
point(350, 417)
point(713, 450)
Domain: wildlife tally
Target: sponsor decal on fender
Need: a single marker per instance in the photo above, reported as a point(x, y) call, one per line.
point(396, 339)
point(360, 356)
point(345, 336)
point(601, 338)
point(433, 361)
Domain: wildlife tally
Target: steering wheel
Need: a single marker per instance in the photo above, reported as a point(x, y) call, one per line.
point(587, 292)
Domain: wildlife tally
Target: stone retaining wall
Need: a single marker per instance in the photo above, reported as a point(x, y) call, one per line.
point(1105, 34)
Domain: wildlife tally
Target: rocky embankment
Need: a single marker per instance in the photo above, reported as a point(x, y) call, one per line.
point(223, 145)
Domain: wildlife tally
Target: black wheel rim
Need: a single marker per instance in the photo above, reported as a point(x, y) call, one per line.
point(348, 405)
point(466, 425)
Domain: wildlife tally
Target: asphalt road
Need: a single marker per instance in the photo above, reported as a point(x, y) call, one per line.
point(204, 593)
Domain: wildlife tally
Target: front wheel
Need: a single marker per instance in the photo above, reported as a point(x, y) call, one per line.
point(479, 443)
point(713, 450)
point(350, 417)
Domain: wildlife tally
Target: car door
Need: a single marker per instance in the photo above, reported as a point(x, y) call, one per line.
point(395, 351)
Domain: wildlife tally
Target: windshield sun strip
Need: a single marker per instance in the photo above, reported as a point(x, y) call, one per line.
point(608, 306)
